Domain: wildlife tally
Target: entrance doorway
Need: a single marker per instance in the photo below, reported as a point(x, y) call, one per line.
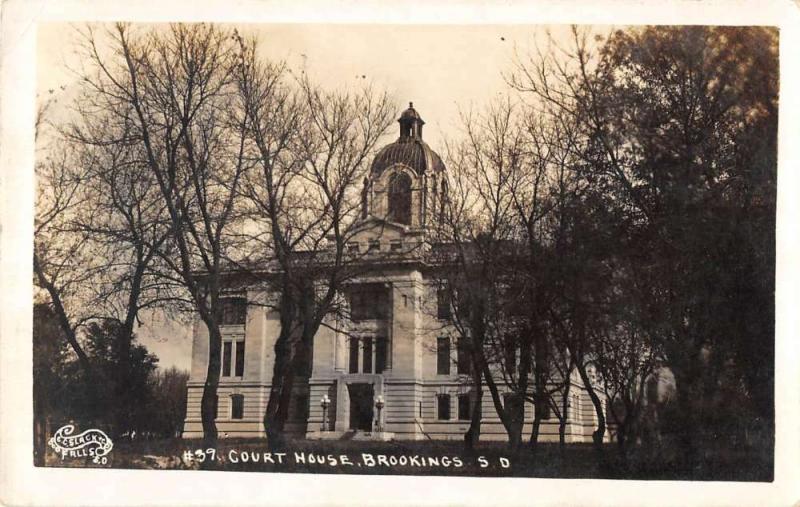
point(361, 406)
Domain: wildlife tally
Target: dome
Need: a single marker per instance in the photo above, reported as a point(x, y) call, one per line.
point(409, 149)
point(414, 153)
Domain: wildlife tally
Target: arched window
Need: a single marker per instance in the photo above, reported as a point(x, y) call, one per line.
point(443, 200)
point(400, 198)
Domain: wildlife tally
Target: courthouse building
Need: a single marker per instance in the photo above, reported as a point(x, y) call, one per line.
point(396, 343)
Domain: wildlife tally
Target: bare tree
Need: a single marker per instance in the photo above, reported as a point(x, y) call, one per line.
point(311, 150)
point(480, 233)
point(62, 265)
point(98, 227)
point(172, 93)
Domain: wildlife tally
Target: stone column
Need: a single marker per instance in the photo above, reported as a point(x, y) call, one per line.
point(342, 406)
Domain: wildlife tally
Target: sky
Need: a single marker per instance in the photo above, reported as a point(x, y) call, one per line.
point(443, 69)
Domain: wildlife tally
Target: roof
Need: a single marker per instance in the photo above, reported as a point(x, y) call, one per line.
point(410, 151)
point(411, 114)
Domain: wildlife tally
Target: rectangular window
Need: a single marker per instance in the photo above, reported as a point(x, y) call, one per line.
point(443, 402)
point(443, 304)
point(367, 350)
point(239, 370)
point(462, 357)
point(380, 355)
point(226, 359)
point(352, 248)
point(464, 412)
point(443, 355)
point(232, 311)
point(396, 246)
point(353, 355)
point(237, 406)
point(374, 246)
point(369, 302)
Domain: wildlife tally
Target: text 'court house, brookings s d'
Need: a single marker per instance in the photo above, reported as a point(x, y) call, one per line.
point(390, 366)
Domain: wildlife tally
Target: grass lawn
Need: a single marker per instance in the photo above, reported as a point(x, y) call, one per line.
point(491, 459)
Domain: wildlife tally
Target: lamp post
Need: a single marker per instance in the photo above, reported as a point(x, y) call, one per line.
point(324, 403)
point(379, 405)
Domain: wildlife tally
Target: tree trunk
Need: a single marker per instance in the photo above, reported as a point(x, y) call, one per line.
point(536, 427)
point(124, 345)
point(208, 404)
point(473, 434)
point(540, 367)
point(562, 423)
point(282, 380)
point(281, 383)
point(686, 389)
point(63, 320)
point(599, 433)
point(299, 364)
point(516, 416)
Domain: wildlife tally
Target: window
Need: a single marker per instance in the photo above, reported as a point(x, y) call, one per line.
point(232, 311)
point(239, 359)
point(233, 363)
point(373, 353)
point(576, 407)
point(400, 198)
point(443, 356)
point(462, 357)
point(353, 355)
point(443, 406)
point(464, 412)
point(226, 359)
point(352, 248)
point(369, 302)
point(396, 246)
point(237, 406)
point(380, 355)
point(367, 351)
point(443, 304)
point(374, 246)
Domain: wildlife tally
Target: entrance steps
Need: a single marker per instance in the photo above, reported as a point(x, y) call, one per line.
point(381, 436)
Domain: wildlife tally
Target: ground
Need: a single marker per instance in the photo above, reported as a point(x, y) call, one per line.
point(426, 458)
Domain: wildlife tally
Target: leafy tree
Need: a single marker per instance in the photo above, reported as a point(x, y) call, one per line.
point(678, 133)
point(165, 410)
point(105, 347)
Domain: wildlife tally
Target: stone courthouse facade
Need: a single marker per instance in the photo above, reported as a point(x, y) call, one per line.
point(396, 343)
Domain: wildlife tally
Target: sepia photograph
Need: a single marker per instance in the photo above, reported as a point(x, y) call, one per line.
point(532, 250)
point(573, 277)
